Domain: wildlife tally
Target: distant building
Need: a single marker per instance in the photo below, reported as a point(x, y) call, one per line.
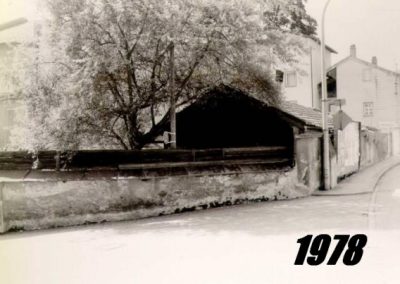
point(12, 108)
point(300, 82)
point(8, 103)
point(371, 93)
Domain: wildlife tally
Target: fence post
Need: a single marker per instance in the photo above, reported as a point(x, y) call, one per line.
point(2, 225)
point(58, 161)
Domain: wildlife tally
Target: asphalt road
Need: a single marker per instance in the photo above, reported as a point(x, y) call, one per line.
point(254, 243)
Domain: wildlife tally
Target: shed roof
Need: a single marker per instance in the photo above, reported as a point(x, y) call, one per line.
point(293, 112)
point(311, 117)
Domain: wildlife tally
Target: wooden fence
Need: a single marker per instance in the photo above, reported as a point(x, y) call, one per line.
point(115, 159)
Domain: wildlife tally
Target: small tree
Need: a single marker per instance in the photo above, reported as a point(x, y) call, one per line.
point(107, 84)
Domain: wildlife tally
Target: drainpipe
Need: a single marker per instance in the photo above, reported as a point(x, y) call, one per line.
point(325, 129)
point(312, 78)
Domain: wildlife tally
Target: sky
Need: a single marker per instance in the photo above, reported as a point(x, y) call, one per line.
point(10, 9)
point(13, 9)
point(373, 25)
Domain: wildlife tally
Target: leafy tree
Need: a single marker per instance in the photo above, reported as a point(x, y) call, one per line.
point(292, 18)
point(104, 78)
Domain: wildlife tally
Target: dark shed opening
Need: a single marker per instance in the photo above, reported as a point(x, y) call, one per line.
point(228, 118)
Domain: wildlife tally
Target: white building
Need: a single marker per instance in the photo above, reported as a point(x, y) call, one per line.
point(300, 82)
point(371, 92)
point(12, 108)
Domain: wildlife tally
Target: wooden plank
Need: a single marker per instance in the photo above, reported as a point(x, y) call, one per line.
point(208, 155)
point(264, 152)
point(114, 158)
point(90, 159)
point(203, 163)
point(13, 166)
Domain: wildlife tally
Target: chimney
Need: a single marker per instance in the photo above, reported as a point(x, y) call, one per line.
point(353, 50)
point(374, 60)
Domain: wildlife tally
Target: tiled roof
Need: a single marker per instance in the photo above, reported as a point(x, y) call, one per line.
point(310, 116)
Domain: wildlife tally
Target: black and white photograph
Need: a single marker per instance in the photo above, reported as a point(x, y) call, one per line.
point(199, 141)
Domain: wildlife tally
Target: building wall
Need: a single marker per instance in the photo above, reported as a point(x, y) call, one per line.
point(8, 107)
point(380, 90)
point(308, 73)
point(9, 110)
point(374, 147)
point(316, 67)
point(348, 152)
point(12, 108)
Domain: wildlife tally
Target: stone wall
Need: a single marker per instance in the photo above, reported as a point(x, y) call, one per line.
point(30, 205)
point(374, 147)
point(348, 149)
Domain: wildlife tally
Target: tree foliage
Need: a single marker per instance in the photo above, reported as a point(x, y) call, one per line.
point(292, 18)
point(104, 78)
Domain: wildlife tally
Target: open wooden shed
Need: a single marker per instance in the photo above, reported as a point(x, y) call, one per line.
point(229, 118)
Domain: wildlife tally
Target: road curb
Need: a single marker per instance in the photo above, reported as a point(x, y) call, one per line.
point(343, 194)
point(368, 191)
point(2, 226)
point(372, 201)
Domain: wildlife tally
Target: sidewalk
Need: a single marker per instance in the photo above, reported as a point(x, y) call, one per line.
point(364, 181)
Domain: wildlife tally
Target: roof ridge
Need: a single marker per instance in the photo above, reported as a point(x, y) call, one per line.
point(364, 62)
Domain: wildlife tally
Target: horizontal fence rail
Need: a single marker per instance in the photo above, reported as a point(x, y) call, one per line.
point(122, 159)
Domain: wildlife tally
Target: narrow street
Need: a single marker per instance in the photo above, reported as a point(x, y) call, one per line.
point(254, 243)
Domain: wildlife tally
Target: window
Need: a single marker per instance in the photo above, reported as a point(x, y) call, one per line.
point(279, 76)
point(291, 79)
point(368, 109)
point(367, 75)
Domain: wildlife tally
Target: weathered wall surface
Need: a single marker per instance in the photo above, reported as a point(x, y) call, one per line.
point(306, 90)
point(33, 205)
point(308, 160)
point(348, 141)
point(358, 82)
point(375, 147)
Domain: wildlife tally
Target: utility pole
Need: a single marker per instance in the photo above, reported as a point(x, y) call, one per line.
point(325, 129)
point(172, 95)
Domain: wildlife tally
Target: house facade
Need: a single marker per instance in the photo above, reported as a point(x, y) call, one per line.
point(371, 94)
point(300, 82)
point(12, 107)
point(9, 104)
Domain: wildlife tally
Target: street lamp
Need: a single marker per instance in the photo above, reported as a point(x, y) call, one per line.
point(13, 23)
point(325, 129)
